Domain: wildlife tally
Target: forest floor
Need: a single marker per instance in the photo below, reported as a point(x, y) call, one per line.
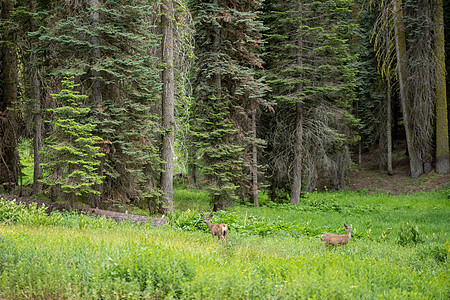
point(369, 177)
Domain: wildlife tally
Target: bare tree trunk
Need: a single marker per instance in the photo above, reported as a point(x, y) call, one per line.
point(37, 114)
point(193, 165)
point(356, 8)
point(168, 105)
point(255, 161)
point(442, 138)
point(297, 169)
point(389, 126)
point(416, 166)
point(8, 123)
point(388, 116)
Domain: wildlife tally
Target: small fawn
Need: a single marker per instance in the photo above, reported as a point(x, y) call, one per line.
point(337, 239)
point(219, 230)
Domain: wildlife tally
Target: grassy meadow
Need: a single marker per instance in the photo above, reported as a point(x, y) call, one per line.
point(399, 250)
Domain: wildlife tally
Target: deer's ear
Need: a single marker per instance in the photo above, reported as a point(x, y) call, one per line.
point(345, 225)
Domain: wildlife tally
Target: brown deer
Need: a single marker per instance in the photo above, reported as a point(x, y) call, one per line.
point(337, 239)
point(219, 230)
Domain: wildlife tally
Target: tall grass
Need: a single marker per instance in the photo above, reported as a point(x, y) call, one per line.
point(272, 253)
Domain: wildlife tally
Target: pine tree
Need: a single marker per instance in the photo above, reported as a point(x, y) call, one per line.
point(70, 156)
point(228, 36)
point(410, 23)
point(312, 81)
point(9, 160)
point(110, 46)
point(376, 86)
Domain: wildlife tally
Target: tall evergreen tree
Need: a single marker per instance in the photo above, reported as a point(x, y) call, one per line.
point(9, 159)
point(377, 106)
point(226, 92)
point(308, 64)
point(108, 44)
point(70, 157)
point(412, 25)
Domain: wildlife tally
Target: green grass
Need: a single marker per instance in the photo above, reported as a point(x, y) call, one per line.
point(190, 199)
point(273, 252)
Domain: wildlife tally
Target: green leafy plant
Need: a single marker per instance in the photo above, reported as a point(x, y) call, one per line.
point(385, 234)
point(12, 212)
point(409, 234)
point(434, 250)
point(26, 161)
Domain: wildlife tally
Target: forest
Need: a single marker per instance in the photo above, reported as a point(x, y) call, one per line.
point(224, 149)
point(107, 101)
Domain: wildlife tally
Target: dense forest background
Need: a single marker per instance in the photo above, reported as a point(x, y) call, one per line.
point(112, 99)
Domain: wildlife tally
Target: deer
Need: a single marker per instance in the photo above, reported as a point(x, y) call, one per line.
point(219, 230)
point(337, 239)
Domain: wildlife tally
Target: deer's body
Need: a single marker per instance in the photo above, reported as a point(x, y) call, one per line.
point(219, 230)
point(337, 239)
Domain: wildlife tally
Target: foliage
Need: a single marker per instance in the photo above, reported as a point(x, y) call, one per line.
point(409, 233)
point(26, 161)
point(70, 156)
point(134, 262)
point(12, 212)
point(109, 46)
point(312, 80)
point(226, 90)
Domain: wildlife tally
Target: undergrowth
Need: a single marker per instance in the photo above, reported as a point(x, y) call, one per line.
point(399, 250)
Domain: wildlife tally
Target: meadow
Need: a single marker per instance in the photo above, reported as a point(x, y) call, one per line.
point(399, 250)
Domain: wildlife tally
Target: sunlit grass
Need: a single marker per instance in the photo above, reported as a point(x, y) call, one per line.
point(79, 257)
point(190, 199)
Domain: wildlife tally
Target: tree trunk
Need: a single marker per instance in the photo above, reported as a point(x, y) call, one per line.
point(168, 105)
point(297, 168)
point(388, 116)
point(389, 125)
point(37, 114)
point(255, 162)
point(8, 123)
point(442, 138)
point(218, 201)
point(96, 200)
point(416, 166)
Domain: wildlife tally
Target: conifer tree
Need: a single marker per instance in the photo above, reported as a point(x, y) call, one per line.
point(228, 35)
point(70, 156)
point(9, 171)
point(309, 70)
point(110, 46)
point(410, 25)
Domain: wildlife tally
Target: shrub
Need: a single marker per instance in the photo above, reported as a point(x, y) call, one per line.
point(12, 211)
point(409, 234)
point(434, 250)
